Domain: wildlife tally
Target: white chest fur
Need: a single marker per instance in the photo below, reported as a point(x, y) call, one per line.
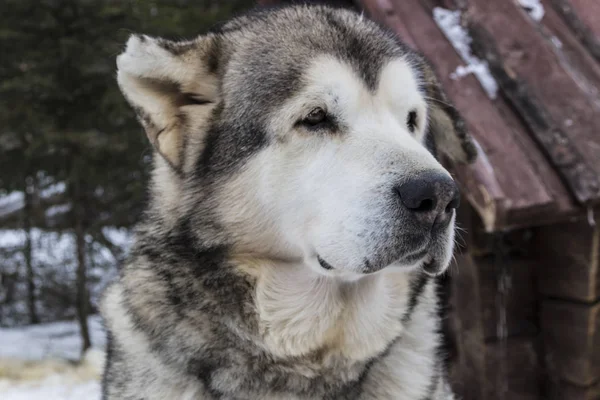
point(302, 312)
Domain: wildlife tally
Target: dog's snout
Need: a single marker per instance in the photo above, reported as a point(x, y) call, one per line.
point(430, 196)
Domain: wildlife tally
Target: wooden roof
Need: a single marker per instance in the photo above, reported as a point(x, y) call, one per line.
point(540, 149)
point(540, 158)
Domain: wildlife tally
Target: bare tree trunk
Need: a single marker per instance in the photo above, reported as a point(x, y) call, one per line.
point(82, 292)
point(28, 250)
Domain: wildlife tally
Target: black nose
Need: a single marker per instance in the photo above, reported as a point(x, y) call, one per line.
point(431, 196)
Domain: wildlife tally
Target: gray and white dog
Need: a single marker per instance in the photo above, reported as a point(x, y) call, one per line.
point(297, 215)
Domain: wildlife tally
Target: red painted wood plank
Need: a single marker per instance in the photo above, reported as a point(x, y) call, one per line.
point(588, 35)
point(589, 12)
point(571, 52)
point(526, 54)
point(384, 12)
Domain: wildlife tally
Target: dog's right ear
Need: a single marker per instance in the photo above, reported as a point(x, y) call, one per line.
point(173, 87)
point(447, 129)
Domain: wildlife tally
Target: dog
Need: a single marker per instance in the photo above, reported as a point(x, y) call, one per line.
point(298, 214)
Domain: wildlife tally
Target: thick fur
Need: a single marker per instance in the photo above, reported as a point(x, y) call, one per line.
point(275, 260)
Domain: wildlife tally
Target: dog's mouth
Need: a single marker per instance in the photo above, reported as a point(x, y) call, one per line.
point(431, 266)
point(425, 253)
point(428, 263)
point(324, 264)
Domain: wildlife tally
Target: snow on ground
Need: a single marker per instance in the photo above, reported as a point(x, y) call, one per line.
point(55, 340)
point(54, 388)
point(40, 362)
point(449, 22)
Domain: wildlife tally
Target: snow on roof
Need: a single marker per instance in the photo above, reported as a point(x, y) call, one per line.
point(534, 8)
point(449, 22)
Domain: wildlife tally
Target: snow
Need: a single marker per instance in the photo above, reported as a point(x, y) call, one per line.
point(449, 22)
point(12, 202)
point(119, 237)
point(55, 188)
point(50, 248)
point(12, 238)
point(54, 340)
point(54, 248)
point(463, 70)
point(55, 387)
point(36, 362)
point(54, 265)
point(534, 8)
point(15, 201)
point(556, 42)
point(58, 209)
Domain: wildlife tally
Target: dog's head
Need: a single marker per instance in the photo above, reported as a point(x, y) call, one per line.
point(303, 133)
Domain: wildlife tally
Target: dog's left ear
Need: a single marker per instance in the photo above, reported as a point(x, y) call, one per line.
point(447, 129)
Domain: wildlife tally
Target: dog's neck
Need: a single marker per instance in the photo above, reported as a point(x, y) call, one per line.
point(302, 312)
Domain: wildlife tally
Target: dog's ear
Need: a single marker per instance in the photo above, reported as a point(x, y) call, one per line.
point(173, 88)
point(447, 130)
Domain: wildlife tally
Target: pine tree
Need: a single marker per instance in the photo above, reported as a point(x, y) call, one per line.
point(64, 120)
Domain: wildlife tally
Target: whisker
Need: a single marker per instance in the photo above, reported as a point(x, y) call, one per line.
point(439, 101)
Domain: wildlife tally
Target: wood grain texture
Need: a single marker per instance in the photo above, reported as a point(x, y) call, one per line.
point(572, 341)
point(543, 90)
point(503, 182)
point(565, 391)
point(583, 18)
point(569, 261)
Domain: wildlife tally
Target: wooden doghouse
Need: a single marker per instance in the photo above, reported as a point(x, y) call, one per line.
point(524, 298)
point(523, 315)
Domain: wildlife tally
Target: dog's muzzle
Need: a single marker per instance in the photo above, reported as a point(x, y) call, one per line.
point(425, 205)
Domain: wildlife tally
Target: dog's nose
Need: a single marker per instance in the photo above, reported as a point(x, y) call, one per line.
point(431, 196)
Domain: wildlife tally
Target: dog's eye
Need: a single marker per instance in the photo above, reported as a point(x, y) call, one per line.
point(411, 121)
point(316, 117)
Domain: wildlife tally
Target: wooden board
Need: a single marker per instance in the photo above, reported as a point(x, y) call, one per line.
point(512, 370)
point(484, 367)
point(544, 91)
point(572, 52)
point(583, 18)
point(384, 12)
point(589, 12)
point(569, 260)
point(519, 307)
point(467, 371)
point(566, 391)
point(571, 335)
